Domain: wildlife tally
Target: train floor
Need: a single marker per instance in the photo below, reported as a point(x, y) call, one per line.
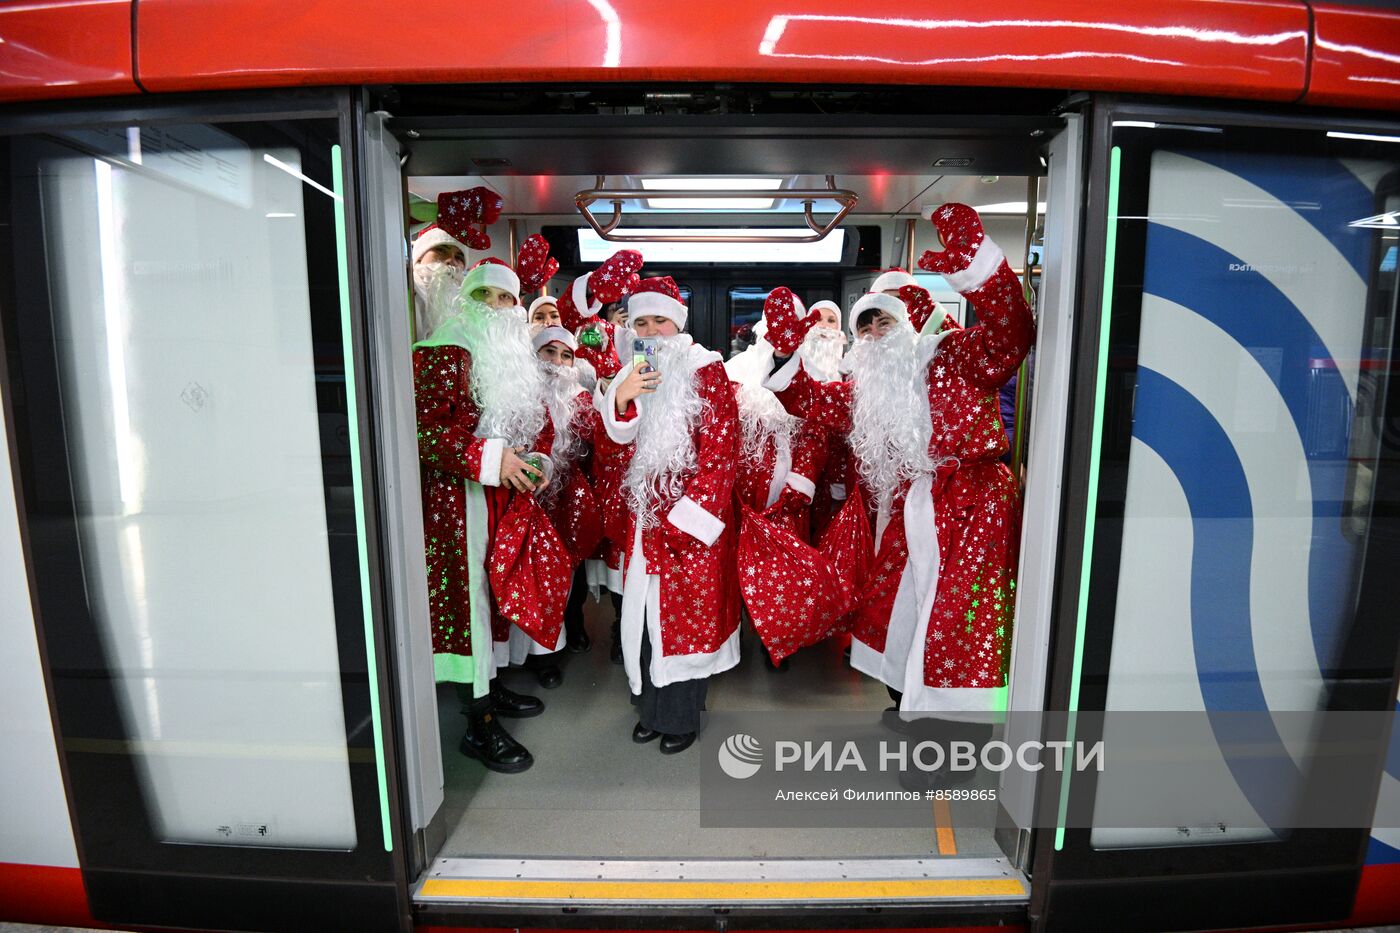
point(592, 792)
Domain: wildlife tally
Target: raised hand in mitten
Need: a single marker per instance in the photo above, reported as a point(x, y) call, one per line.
point(920, 304)
point(788, 320)
point(616, 277)
point(465, 214)
point(533, 263)
point(960, 229)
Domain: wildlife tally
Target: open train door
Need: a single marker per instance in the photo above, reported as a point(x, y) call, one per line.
point(186, 376)
point(1226, 560)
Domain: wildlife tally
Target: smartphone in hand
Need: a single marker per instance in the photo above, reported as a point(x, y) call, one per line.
point(644, 353)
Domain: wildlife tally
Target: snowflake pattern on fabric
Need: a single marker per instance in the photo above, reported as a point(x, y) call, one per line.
point(533, 264)
point(465, 214)
point(788, 320)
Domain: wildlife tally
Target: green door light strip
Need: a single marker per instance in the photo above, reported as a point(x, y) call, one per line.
point(347, 347)
point(1092, 499)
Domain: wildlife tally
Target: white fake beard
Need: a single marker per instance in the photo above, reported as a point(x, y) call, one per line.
point(507, 382)
point(562, 387)
point(762, 418)
point(890, 427)
point(665, 447)
point(436, 285)
point(821, 353)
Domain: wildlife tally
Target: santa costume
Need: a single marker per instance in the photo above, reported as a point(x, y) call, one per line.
point(569, 497)
point(679, 446)
point(579, 311)
point(478, 391)
point(462, 217)
point(920, 414)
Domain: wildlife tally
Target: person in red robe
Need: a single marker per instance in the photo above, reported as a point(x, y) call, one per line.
point(676, 428)
point(920, 414)
point(479, 397)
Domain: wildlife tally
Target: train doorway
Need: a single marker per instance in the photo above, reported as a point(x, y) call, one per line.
point(593, 809)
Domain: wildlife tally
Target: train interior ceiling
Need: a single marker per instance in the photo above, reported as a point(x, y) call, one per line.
point(592, 792)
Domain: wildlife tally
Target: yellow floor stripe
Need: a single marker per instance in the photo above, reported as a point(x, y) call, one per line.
point(943, 828)
point(471, 889)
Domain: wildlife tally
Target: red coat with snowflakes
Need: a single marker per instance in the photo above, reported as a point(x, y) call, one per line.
point(689, 547)
point(575, 509)
point(944, 645)
point(453, 460)
point(781, 480)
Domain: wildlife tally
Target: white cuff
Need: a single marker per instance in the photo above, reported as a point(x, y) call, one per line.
point(781, 379)
point(838, 491)
point(491, 453)
point(621, 432)
point(802, 484)
point(690, 517)
point(984, 263)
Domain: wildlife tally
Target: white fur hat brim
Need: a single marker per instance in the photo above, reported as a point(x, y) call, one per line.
point(893, 279)
point(879, 302)
point(554, 335)
point(493, 274)
point(435, 236)
point(540, 302)
point(655, 304)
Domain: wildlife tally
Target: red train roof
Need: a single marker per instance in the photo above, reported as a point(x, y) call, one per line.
point(1221, 48)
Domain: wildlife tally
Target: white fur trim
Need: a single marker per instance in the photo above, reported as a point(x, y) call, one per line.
point(436, 236)
point(673, 669)
point(491, 461)
point(963, 704)
point(578, 293)
point(494, 274)
point(781, 379)
point(541, 301)
point(894, 278)
point(984, 263)
point(553, 334)
point(521, 646)
point(887, 303)
point(927, 347)
point(802, 484)
point(782, 466)
point(689, 516)
point(821, 305)
point(479, 588)
point(838, 491)
point(621, 432)
point(657, 305)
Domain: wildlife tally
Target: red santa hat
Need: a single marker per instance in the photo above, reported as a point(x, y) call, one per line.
point(492, 271)
point(541, 302)
point(554, 334)
point(877, 301)
point(433, 235)
point(891, 280)
point(657, 297)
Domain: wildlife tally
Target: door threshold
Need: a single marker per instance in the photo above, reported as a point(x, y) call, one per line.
point(650, 884)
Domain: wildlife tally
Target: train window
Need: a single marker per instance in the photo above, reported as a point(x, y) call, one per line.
point(179, 330)
point(1248, 359)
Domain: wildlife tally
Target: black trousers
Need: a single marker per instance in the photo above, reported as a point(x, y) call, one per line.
point(473, 705)
point(931, 728)
point(573, 609)
point(674, 709)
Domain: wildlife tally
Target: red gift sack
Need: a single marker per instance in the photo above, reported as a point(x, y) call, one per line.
point(793, 592)
point(530, 570)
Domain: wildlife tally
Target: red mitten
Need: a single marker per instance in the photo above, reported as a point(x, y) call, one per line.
point(788, 320)
point(920, 304)
point(534, 265)
point(616, 277)
point(459, 213)
point(961, 231)
point(530, 569)
point(571, 317)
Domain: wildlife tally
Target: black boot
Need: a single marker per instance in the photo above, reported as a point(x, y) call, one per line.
point(671, 744)
point(575, 636)
point(615, 653)
point(514, 705)
point(489, 743)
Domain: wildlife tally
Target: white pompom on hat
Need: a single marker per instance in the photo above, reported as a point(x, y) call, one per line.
point(879, 302)
point(554, 335)
point(892, 279)
point(493, 272)
point(433, 235)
